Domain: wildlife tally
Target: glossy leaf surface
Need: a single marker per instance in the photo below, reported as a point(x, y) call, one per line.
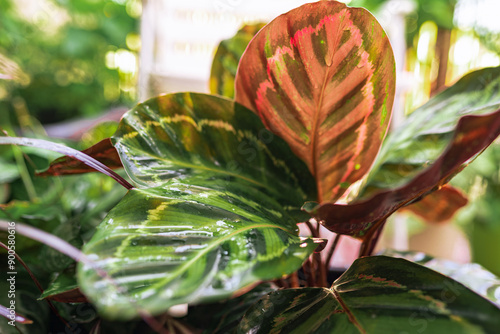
point(209, 218)
point(472, 275)
point(188, 134)
point(426, 133)
point(473, 134)
point(376, 295)
point(224, 317)
point(322, 77)
point(226, 60)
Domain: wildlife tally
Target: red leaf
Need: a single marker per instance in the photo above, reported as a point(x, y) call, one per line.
point(439, 206)
point(103, 152)
point(322, 77)
point(70, 296)
point(473, 134)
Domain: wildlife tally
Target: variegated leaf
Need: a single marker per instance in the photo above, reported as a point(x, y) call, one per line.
point(188, 134)
point(376, 295)
point(473, 134)
point(211, 216)
point(472, 275)
point(322, 77)
point(188, 241)
point(426, 133)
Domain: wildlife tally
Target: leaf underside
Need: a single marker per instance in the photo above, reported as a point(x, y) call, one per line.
point(439, 206)
point(211, 212)
point(427, 132)
point(103, 152)
point(376, 295)
point(322, 77)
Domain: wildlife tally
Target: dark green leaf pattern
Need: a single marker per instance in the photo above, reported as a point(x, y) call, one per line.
point(210, 215)
point(425, 134)
point(376, 295)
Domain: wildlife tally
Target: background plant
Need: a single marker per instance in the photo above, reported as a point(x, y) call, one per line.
point(65, 57)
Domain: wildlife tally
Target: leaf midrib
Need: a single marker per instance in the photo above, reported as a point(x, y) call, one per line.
point(205, 251)
point(315, 130)
point(209, 169)
point(347, 310)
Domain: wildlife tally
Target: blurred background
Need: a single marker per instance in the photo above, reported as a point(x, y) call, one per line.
point(60, 59)
point(68, 64)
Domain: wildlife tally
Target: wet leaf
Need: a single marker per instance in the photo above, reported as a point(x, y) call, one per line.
point(472, 275)
point(224, 317)
point(210, 216)
point(322, 77)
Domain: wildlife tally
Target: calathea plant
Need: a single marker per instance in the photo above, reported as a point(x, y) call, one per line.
point(217, 187)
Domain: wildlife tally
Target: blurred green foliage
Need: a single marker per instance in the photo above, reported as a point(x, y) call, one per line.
point(439, 11)
point(55, 52)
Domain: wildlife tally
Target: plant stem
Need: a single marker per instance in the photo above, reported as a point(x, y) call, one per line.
point(321, 277)
point(314, 232)
point(331, 251)
point(294, 280)
point(311, 277)
point(25, 175)
point(368, 246)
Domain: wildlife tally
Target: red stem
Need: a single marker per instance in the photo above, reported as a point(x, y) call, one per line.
point(331, 251)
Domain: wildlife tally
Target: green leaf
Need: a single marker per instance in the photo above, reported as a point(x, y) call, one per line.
point(224, 317)
point(472, 275)
point(210, 216)
point(64, 288)
point(9, 171)
point(322, 77)
point(425, 134)
point(376, 295)
point(226, 60)
point(188, 134)
point(362, 218)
